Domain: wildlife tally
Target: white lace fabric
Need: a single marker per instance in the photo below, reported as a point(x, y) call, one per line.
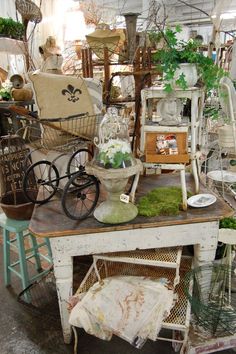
point(131, 307)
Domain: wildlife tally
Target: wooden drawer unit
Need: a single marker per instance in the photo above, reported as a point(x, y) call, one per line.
point(167, 145)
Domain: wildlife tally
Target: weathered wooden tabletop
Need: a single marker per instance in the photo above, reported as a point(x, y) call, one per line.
point(49, 220)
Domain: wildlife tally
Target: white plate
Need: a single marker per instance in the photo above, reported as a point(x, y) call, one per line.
point(201, 200)
point(222, 176)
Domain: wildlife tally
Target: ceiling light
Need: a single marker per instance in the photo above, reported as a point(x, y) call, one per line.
point(227, 16)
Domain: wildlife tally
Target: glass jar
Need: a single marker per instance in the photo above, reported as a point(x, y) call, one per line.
point(113, 143)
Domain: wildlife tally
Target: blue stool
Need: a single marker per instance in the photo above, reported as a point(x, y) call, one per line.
point(20, 229)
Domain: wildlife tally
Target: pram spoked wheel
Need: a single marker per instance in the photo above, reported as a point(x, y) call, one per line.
point(44, 175)
point(77, 162)
point(80, 196)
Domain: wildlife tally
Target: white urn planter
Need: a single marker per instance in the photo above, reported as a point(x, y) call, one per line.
point(113, 164)
point(190, 72)
point(113, 210)
point(227, 135)
point(227, 236)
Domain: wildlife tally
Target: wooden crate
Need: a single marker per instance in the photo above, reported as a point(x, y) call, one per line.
point(166, 146)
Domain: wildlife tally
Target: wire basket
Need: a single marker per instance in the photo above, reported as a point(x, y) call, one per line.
point(42, 295)
point(211, 301)
point(60, 134)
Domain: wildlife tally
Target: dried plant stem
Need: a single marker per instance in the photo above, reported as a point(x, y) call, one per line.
point(193, 7)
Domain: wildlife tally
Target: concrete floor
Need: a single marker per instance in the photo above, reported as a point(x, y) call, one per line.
point(25, 330)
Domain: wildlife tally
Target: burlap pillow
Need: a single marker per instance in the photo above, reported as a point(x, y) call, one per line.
point(60, 96)
point(94, 87)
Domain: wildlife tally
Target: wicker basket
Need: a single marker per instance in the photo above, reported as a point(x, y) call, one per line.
point(59, 134)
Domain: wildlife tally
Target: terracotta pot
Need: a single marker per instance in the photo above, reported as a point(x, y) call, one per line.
point(21, 210)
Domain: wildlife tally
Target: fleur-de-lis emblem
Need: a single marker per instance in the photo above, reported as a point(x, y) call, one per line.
point(72, 92)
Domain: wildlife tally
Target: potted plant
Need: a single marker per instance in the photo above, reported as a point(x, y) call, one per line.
point(115, 153)
point(5, 91)
point(176, 52)
point(227, 238)
point(228, 227)
point(113, 165)
point(10, 28)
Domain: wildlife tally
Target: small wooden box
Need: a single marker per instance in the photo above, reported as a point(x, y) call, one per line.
point(167, 145)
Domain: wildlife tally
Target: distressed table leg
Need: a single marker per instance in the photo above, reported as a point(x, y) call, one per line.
point(63, 270)
point(204, 252)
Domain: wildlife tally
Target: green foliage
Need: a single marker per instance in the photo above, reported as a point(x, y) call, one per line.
point(232, 162)
point(161, 201)
point(154, 36)
point(212, 112)
point(11, 28)
point(181, 82)
point(118, 160)
point(5, 95)
point(228, 223)
point(175, 52)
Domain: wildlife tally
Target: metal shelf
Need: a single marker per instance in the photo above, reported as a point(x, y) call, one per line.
point(178, 320)
point(169, 257)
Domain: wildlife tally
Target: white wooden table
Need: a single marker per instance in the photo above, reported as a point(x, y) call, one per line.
point(70, 238)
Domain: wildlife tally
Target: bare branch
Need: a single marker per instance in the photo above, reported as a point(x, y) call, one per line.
point(92, 12)
point(155, 17)
point(194, 7)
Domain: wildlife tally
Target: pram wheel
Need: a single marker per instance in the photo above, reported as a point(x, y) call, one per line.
point(80, 196)
point(77, 162)
point(37, 176)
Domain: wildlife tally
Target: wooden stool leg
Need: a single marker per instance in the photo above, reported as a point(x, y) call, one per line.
point(6, 257)
point(184, 190)
point(36, 253)
point(22, 260)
